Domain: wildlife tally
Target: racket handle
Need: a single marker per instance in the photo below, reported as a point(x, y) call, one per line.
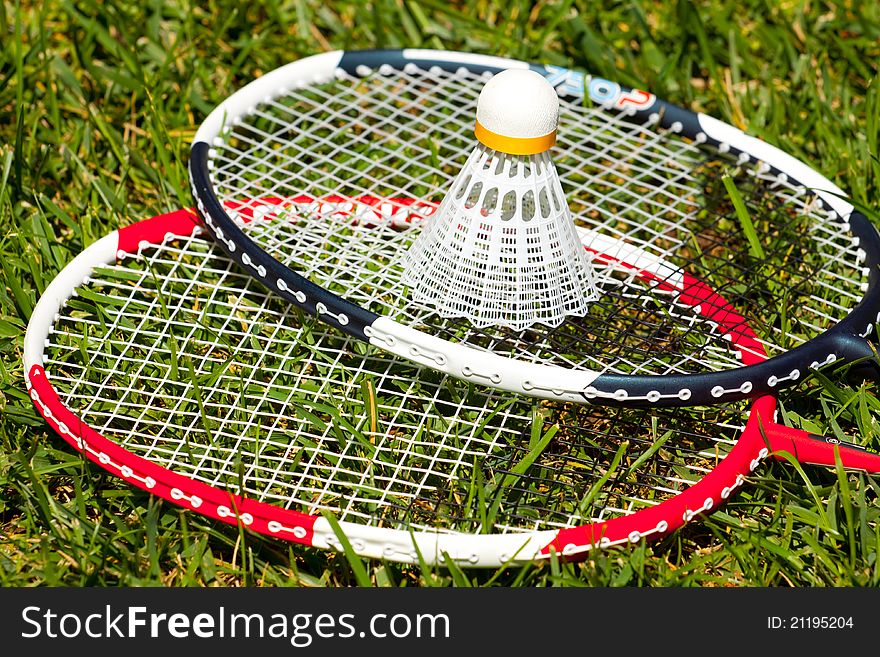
point(813, 449)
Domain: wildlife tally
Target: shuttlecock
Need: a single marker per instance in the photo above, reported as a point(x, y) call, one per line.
point(502, 249)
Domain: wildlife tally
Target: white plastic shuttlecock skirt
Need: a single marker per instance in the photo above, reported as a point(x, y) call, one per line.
point(502, 249)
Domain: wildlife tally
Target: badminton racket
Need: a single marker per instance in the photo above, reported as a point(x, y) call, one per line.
point(317, 176)
point(159, 359)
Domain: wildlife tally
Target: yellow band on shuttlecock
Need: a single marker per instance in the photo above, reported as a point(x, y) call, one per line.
point(514, 145)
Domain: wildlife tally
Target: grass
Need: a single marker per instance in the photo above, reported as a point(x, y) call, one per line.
point(98, 102)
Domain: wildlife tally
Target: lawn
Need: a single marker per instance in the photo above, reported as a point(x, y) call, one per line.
point(98, 104)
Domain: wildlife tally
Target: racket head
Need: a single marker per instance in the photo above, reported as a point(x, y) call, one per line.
point(404, 120)
point(153, 355)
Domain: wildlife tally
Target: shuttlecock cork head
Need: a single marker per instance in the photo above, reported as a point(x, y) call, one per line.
point(518, 113)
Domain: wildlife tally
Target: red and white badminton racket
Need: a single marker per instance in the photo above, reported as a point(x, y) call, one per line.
point(157, 358)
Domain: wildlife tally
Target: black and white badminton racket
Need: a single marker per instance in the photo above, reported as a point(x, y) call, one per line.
point(155, 356)
point(316, 177)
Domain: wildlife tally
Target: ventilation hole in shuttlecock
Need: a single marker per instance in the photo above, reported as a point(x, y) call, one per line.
point(528, 206)
point(557, 206)
point(543, 199)
point(462, 187)
point(490, 202)
point(508, 206)
point(502, 248)
point(473, 196)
